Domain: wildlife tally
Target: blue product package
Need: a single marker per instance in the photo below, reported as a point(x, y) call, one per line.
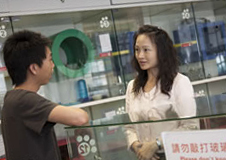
point(82, 91)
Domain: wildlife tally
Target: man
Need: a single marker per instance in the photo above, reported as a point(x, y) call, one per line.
point(27, 118)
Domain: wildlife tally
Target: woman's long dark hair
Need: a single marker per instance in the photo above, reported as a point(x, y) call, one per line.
point(166, 56)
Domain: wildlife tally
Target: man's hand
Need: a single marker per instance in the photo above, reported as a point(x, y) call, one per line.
point(147, 151)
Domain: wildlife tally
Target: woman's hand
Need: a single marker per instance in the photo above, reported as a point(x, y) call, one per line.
point(147, 151)
point(136, 146)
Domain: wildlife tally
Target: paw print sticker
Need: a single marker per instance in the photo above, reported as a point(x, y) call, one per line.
point(86, 145)
point(3, 33)
point(104, 23)
point(121, 110)
point(186, 14)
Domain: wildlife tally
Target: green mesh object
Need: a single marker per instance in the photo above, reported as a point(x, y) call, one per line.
point(78, 49)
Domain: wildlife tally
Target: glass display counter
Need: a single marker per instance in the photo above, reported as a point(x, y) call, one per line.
point(106, 139)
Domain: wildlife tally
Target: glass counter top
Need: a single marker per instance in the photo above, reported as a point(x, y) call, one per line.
point(123, 119)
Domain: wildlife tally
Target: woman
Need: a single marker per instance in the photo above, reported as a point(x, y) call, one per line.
point(158, 92)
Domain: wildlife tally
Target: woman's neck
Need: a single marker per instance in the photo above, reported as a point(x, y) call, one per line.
point(152, 74)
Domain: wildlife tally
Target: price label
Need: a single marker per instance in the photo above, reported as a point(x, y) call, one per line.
point(84, 149)
point(3, 33)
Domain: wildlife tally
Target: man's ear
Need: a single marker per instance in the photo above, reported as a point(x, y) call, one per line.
point(33, 68)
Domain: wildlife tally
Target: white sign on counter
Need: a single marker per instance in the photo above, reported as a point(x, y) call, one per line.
point(195, 145)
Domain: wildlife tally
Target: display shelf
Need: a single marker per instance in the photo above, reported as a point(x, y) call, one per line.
point(208, 80)
point(97, 102)
point(113, 99)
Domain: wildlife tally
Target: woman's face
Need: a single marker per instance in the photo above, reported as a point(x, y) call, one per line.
point(146, 52)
